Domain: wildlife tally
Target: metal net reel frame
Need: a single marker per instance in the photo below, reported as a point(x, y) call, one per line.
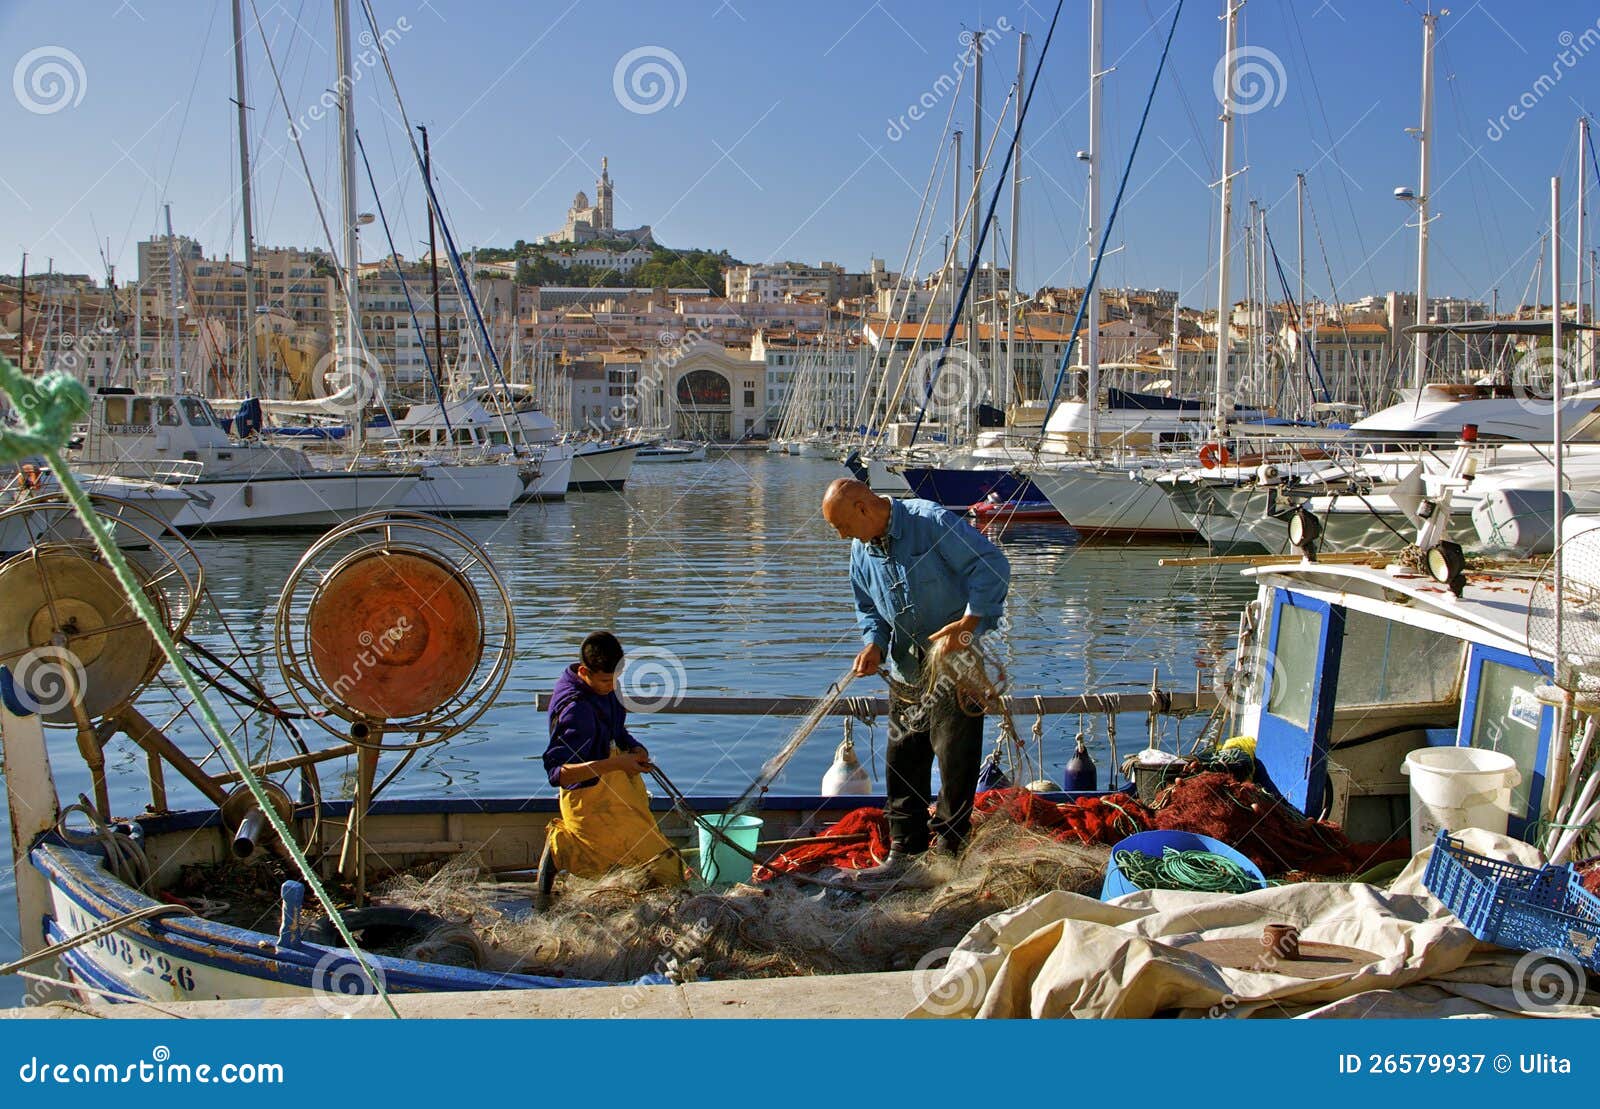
point(1573, 664)
point(175, 586)
point(400, 532)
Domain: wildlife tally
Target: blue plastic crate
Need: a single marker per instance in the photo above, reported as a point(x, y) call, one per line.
point(1520, 907)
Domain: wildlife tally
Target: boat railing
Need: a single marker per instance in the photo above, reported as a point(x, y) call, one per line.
point(1157, 701)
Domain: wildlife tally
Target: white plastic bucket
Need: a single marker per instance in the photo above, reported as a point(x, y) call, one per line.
point(1458, 787)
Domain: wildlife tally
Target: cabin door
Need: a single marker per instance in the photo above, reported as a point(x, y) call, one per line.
point(1300, 672)
point(1500, 713)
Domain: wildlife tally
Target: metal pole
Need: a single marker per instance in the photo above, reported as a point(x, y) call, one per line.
point(1578, 253)
point(1224, 301)
point(973, 346)
point(1016, 215)
point(252, 379)
point(22, 316)
point(1556, 430)
point(352, 247)
point(433, 269)
point(1300, 296)
point(172, 291)
point(1092, 340)
point(1419, 365)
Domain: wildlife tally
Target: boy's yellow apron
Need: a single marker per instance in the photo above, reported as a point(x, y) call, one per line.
point(609, 824)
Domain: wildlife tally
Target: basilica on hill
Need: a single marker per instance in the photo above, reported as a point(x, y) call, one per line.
point(587, 222)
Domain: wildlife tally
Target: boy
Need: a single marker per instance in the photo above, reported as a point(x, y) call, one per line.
point(605, 817)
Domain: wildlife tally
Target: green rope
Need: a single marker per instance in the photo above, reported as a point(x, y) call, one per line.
point(1199, 871)
point(48, 407)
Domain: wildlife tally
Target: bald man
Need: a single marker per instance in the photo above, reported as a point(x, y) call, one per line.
point(920, 575)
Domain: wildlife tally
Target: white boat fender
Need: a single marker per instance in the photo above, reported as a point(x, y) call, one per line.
point(846, 775)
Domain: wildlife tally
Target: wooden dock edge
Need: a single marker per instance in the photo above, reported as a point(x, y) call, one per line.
point(820, 997)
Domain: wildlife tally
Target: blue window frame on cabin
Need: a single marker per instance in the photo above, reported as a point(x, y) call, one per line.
point(1499, 712)
point(1300, 671)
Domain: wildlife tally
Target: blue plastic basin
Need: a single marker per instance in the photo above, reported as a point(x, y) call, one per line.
point(1154, 843)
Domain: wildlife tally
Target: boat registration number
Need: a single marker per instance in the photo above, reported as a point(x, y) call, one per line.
point(132, 954)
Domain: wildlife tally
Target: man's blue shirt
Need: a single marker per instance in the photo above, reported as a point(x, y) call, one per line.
point(930, 568)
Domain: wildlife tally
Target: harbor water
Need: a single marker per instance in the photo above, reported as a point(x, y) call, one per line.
point(722, 579)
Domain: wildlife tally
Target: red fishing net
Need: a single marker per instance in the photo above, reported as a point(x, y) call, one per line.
point(1087, 820)
point(1268, 830)
point(1271, 832)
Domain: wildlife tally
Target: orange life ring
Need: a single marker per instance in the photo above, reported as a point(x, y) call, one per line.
point(1213, 455)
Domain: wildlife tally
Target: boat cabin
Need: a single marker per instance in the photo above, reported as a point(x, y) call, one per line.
point(1352, 667)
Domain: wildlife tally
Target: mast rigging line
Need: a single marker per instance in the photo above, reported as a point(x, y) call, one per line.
point(1111, 222)
point(422, 336)
point(988, 221)
point(1283, 283)
point(463, 286)
point(906, 280)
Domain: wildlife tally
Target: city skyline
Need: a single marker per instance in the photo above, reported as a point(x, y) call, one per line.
point(709, 163)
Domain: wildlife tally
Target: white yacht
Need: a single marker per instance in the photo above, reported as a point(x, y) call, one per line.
point(230, 484)
point(671, 450)
point(471, 467)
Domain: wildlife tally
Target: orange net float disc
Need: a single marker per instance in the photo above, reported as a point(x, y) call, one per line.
point(395, 634)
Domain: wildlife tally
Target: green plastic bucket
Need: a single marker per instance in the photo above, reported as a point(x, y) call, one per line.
point(720, 864)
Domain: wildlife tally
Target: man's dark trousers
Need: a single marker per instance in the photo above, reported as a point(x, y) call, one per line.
point(919, 733)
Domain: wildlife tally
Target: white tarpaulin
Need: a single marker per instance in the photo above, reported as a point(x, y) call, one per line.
point(1065, 955)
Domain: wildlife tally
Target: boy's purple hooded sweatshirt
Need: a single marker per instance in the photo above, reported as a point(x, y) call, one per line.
point(583, 726)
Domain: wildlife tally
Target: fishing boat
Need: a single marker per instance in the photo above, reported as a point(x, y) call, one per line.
point(96, 891)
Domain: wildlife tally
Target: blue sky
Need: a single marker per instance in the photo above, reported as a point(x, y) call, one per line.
point(779, 135)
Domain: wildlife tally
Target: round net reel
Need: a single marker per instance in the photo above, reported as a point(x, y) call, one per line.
point(395, 622)
point(73, 641)
point(1575, 649)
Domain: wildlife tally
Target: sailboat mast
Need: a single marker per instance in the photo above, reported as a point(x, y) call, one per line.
point(1578, 252)
point(1300, 294)
point(973, 347)
point(347, 182)
point(1092, 316)
point(1557, 391)
point(1419, 366)
point(252, 375)
point(172, 292)
point(1016, 214)
point(433, 263)
point(1224, 303)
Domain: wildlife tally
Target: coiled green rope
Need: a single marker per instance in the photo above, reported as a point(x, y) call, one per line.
point(47, 407)
point(1197, 871)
